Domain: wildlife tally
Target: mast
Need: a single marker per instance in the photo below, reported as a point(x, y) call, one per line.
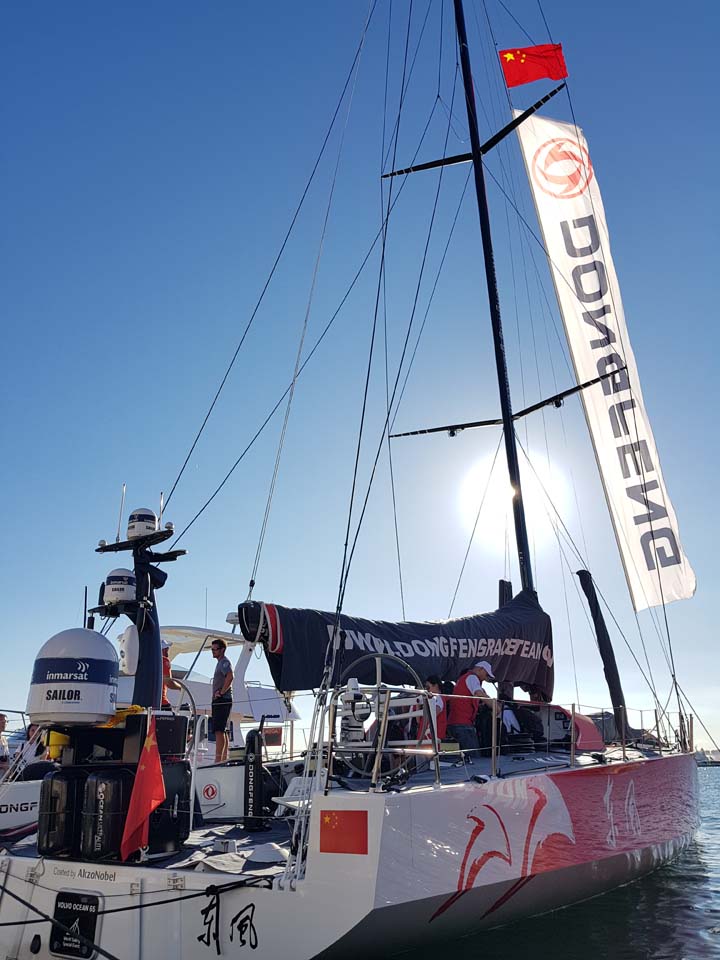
point(521, 536)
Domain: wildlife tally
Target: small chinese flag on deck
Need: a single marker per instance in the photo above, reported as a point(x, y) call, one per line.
point(147, 794)
point(533, 63)
point(343, 831)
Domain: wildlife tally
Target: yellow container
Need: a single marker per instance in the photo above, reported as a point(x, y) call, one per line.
point(55, 743)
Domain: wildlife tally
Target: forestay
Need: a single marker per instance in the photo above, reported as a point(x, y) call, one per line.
point(516, 640)
point(571, 214)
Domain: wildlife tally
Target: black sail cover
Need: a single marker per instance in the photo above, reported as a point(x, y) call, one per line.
point(515, 640)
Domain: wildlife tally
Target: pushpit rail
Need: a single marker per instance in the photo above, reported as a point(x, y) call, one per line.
point(410, 704)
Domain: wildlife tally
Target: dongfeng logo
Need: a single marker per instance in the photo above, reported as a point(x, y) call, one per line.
point(562, 168)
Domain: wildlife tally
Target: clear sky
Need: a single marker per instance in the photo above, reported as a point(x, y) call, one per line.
point(153, 156)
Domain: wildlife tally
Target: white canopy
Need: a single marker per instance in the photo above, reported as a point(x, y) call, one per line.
point(191, 639)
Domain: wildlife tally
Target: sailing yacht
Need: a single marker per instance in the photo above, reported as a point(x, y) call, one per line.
point(381, 832)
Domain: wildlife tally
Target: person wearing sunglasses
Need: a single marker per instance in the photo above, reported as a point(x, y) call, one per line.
point(221, 699)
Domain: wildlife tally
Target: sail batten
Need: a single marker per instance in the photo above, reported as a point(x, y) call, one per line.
point(572, 218)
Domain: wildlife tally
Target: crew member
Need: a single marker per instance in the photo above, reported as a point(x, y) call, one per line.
point(468, 694)
point(433, 685)
point(221, 699)
point(32, 750)
point(4, 748)
point(168, 682)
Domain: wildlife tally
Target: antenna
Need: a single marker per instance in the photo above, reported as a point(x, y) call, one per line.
point(85, 608)
point(122, 506)
point(206, 592)
point(162, 504)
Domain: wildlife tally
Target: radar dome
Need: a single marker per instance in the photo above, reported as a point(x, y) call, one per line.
point(142, 522)
point(119, 586)
point(74, 679)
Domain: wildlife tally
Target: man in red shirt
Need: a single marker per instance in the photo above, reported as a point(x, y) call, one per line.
point(466, 700)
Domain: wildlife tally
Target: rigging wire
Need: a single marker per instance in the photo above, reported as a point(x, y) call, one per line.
point(403, 91)
point(417, 343)
point(569, 622)
point(494, 107)
point(385, 329)
point(644, 646)
point(634, 411)
point(551, 314)
point(303, 334)
point(572, 543)
point(431, 297)
point(627, 350)
point(277, 258)
point(583, 606)
point(516, 21)
point(537, 239)
point(695, 714)
point(312, 352)
point(477, 520)
point(87, 943)
point(451, 117)
point(442, 19)
point(358, 448)
point(397, 378)
point(300, 832)
point(509, 178)
point(384, 295)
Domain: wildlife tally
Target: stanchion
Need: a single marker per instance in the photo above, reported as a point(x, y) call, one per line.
point(493, 758)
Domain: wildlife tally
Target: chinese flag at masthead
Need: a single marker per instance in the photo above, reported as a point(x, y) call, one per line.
point(533, 63)
point(343, 831)
point(147, 794)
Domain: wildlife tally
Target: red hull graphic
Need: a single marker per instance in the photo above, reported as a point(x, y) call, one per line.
point(544, 823)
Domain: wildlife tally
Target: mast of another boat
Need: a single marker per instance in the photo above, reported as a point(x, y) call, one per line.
point(521, 537)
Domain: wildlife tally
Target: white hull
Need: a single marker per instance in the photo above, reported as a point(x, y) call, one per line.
point(18, 805)
point(440, 863)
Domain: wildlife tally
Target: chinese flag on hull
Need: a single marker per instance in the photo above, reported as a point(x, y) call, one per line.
point(533, 63)
point(147, 794)
point(343, 831)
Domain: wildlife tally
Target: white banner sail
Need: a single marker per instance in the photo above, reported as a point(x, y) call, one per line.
point(571, 214)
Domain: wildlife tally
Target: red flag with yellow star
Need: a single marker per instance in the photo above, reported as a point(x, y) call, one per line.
point(344, 831)
point(147, 794)
point(533, 63)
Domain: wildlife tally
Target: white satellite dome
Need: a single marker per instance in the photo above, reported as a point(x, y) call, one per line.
point(74, 679)
point(142, 522)
point(119, 586)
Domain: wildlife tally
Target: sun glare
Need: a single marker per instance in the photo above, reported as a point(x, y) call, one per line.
point(495, 493)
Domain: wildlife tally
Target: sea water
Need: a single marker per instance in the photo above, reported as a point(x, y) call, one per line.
point(672, 914)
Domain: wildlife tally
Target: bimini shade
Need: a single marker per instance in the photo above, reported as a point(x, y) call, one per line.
point(516, 640)
point(191, 639)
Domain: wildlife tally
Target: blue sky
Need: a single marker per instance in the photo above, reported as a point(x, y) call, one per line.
point(153, 158)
